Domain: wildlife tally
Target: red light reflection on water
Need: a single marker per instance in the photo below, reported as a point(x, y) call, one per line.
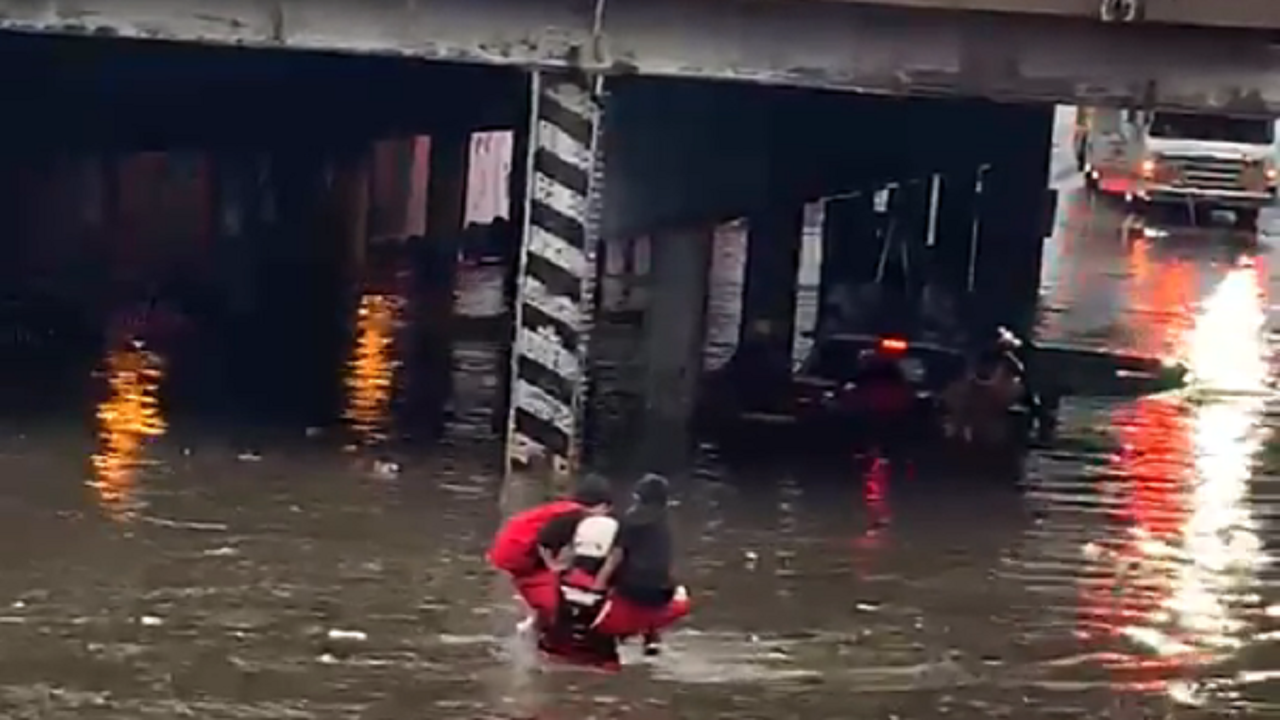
point(875, 497)
point(1164, 580)
point(1148, 481)
point(1146, 488)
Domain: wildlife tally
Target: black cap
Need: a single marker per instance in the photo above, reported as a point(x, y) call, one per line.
point(652, 490)
point(593, 490)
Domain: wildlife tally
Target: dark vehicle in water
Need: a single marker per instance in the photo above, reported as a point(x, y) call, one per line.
point(878, 388)
point(857, 390)
point(853, 389)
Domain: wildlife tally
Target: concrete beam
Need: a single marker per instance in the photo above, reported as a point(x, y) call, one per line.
point(681, 153)
point(839, 45)
point(896, 51)
point(486, 31)
point(171, 94)
point(1256, 14)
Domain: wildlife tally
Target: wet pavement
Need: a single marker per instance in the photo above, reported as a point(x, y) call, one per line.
point(160, 565)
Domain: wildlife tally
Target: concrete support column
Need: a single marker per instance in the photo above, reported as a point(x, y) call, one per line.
point(446, 207)
point(1013, 208)
point(674, 324)
point(553, 287)
point(309, 303)
point(769, 294)
point(400, 174)
point(512, 247)
point(849, 253)
point(351, 186)
point(435, 261)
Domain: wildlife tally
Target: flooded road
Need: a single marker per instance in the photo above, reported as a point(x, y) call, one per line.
point(162, 565)
point(1161, 531)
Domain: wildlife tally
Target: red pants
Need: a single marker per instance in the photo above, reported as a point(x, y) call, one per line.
point(540, 590)
point(619, 617)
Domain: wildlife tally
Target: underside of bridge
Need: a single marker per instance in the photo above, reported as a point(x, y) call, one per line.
point(958, 184)
point(1217, 56)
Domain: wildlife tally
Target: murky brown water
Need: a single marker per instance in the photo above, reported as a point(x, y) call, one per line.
point(165, 572)
point(1158, 542)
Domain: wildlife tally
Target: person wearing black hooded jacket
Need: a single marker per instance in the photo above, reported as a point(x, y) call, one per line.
point(640, 567)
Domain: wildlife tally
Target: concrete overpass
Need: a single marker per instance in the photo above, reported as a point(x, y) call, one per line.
point(624, 137)
point(1182, 54)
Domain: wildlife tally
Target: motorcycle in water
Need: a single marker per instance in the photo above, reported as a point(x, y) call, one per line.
point(1038, 409)
point(993, 404)
point(978, 408)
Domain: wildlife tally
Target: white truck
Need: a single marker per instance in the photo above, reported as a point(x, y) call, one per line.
point(1199, 161)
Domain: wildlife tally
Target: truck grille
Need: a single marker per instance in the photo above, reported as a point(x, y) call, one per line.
point(1208, 173)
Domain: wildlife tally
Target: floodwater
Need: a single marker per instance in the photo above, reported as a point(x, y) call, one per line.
point(162, 561)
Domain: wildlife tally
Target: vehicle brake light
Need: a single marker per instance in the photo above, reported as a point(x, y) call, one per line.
point(895, 345)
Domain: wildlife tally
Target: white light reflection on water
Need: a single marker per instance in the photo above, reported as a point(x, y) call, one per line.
point(1209, 565)
point(1228, 355)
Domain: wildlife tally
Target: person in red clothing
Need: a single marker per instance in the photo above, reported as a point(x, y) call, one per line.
point(525, 550)
point(568, 633)
point(616, 580)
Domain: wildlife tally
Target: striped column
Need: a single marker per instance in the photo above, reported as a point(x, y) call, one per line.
point(554, 279)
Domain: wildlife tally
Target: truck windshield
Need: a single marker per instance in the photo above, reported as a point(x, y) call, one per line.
point(1213, 127)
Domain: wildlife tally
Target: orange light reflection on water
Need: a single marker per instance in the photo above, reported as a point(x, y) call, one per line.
point(128, 418)
point(371, 369)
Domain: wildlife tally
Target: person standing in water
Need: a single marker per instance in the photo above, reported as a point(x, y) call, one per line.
point(640, 567)
point(585, 540)
point(528, 546)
